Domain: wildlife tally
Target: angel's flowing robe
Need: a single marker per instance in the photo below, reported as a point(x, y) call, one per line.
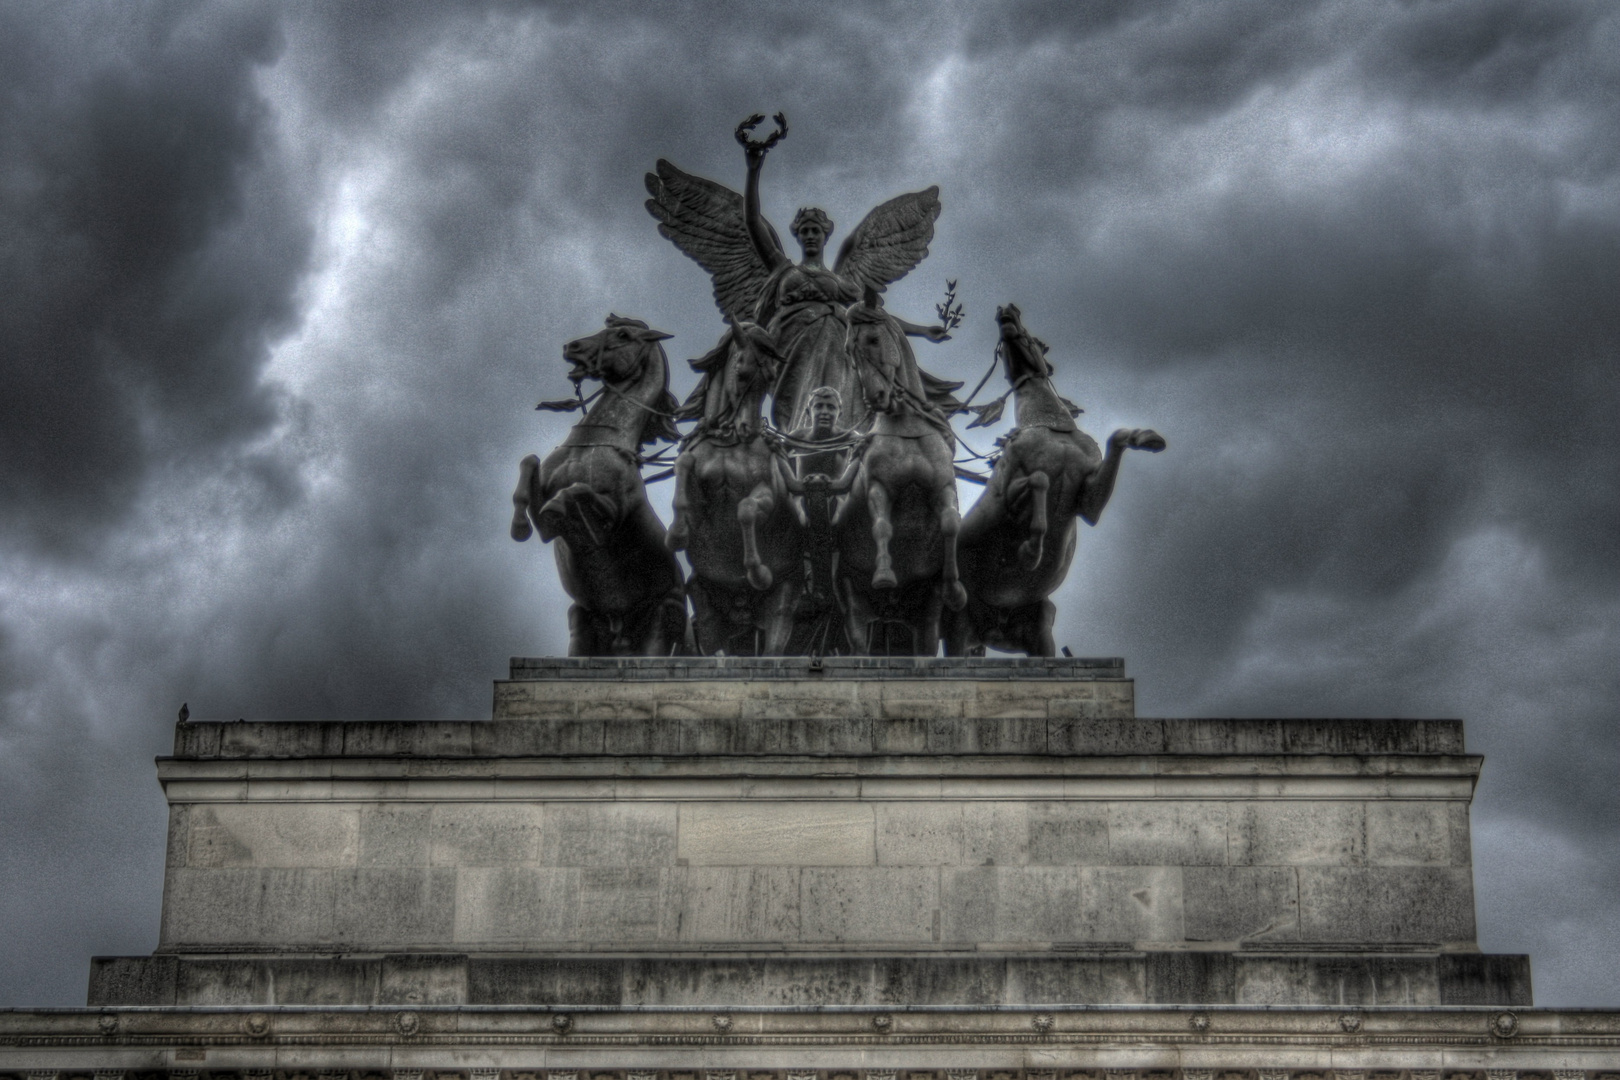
point(803, 307)
point(805, 310)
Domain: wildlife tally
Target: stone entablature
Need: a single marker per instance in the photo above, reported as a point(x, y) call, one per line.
point(422, 1043)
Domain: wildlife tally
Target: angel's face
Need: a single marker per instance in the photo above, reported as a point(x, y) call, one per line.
point(812, 238)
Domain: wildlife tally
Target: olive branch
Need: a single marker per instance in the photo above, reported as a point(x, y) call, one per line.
point(951, 311)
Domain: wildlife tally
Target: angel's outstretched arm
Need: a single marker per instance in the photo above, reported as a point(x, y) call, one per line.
point(758, 231)
point(932, 333)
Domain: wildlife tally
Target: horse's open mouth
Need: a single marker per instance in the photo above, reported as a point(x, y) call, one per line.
point(580, 366)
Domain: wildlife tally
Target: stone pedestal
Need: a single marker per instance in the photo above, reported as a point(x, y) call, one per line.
point(850, 832)
point(785, 870)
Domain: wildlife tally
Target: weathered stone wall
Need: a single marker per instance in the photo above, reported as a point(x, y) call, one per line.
point(892, 864)
point(677, 832)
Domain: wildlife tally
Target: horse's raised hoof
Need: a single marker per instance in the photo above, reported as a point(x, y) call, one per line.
point(759, 576)
point(1147, 439)
point(955, 595)
point(551, 519)
point(521, 529)
point(1029, 554)
point(884, 579)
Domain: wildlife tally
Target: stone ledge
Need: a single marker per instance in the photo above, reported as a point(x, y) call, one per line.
point(1020, 1056)
point(627, 669)
point(866, 736)
point(720, 981)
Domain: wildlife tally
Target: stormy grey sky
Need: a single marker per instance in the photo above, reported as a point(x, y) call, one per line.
point(280, 284)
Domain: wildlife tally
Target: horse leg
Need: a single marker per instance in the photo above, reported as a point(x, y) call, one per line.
point(660, 624)
point(950, 525)
point(778, 624)
point(750, 512)
point(957, 631)
point(1099, 485)
point(706, 623)
point(581, 634)
point(527, 468)
point(1043, 645)
point(925, 629)
point(676, 538)
point(857, 620)
point(877, 504)
point(1031, 550)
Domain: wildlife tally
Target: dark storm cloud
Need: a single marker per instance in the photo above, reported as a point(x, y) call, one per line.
point(151, 251)
point(283, 283)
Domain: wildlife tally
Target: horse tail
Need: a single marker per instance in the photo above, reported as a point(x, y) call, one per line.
point(528, 468)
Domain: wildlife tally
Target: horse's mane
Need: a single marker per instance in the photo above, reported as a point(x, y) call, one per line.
point(661, 413)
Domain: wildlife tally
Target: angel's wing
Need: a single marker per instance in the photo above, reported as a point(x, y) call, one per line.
point(705, 220)
point(890, 241)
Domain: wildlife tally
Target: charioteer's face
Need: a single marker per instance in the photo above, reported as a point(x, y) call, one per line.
point(823, 416)
point(812, 238)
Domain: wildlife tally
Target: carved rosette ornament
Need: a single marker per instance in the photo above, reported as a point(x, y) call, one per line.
point(256, 1025)
point(1505, 1025)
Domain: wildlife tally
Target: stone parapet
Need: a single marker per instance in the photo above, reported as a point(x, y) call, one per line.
point(689, 736)
point(1119, 976)
point(789, 668)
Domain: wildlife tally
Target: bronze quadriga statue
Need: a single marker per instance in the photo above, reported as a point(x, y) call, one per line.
point(834, 527)
point(588, 499)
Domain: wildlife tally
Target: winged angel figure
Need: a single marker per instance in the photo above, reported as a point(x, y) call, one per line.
point(802, 304)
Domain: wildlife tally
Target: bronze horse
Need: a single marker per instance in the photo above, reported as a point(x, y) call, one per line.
point(1018, 540)
point(731, 513)
point(897, 526)
point(588, 496)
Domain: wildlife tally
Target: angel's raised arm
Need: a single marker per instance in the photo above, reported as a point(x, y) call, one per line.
point(764, 238)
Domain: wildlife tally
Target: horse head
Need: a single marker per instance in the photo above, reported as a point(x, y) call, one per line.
point(878, 367)
point(1023, 353)
point(735, 375)
point(625, 355)
point(616, 354)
